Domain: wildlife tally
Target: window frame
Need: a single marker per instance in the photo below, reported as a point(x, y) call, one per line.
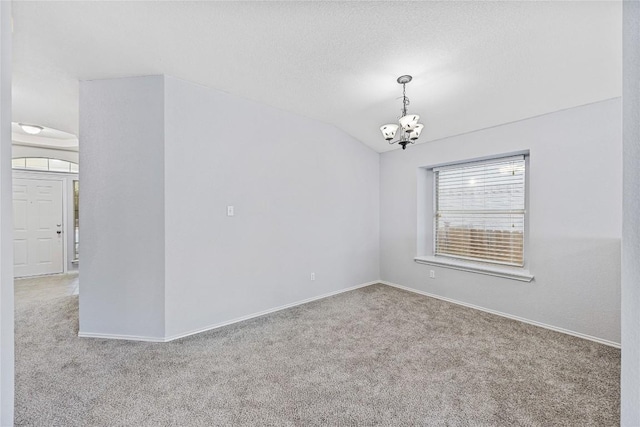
point(425, 252)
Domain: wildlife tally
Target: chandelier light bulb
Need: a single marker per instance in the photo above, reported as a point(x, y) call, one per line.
point(389, 131)
point(409, 122)
point(416, 132)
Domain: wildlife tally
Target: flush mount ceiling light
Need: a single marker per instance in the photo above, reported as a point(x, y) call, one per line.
point(409, 122)
point(31, 129)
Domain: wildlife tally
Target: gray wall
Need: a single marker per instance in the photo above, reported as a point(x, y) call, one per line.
point(122, 205)
point(306, 199)
point(6, 225)
point(574, 219)
point(631, 217)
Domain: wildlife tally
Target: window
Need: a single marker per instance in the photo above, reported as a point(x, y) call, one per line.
point(44, 164)
point(480, 211)
point(76, 220)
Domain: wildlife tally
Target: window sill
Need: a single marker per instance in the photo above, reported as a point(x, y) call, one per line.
point(506, 272)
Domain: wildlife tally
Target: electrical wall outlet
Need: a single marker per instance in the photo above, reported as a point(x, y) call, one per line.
point(432, 274)
point(313, 276)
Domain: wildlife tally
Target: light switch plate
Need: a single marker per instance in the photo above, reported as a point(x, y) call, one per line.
point(230, 211)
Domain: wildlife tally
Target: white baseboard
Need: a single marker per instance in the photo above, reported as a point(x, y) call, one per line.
point(119, 337)
point(508, 316)
point(269, 311)
point(221, 324)
point(384, 282)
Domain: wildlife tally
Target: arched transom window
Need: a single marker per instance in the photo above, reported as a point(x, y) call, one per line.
point(44, 164)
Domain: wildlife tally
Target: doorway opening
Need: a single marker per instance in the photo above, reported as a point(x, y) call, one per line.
point(46, 216)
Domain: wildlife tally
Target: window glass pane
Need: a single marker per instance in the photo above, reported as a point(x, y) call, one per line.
point(37, 163)
point(480, 211)
point(56, 165)
point(76, 219)
point(18, 163)
point(44, 164)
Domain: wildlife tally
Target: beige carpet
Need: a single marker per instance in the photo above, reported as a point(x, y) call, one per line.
point(374, 356)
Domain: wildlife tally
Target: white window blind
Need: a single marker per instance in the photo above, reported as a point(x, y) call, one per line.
point(480, 211)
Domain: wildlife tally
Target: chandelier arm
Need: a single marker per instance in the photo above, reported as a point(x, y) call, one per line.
point(401, 140)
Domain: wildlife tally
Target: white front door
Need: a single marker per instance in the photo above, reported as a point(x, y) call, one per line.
point(37, 227)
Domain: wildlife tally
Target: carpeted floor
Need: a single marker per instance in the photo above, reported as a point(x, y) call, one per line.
point(374, 356)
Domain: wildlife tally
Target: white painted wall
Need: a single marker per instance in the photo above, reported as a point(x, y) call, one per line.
point(306, 199)
point(630, 399)
point(575, 194)
point(6, 225)
point(122, 205)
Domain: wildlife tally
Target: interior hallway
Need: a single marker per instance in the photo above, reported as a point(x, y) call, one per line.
point(32, 289)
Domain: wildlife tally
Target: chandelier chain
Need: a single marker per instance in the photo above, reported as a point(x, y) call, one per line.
point(405, 100)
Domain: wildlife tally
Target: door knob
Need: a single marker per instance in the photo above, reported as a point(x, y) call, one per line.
point(59, 232)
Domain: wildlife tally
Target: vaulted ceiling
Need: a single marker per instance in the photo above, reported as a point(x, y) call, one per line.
point(475, 64)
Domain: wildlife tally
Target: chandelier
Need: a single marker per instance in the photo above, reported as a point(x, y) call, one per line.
point(409, 122)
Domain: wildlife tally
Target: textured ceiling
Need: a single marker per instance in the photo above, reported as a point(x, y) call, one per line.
point(475, 64)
